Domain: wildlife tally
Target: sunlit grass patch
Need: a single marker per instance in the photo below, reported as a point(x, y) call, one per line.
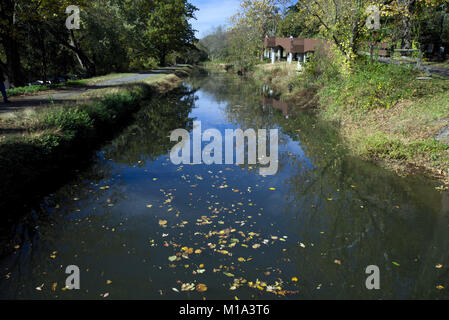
point(34, 89)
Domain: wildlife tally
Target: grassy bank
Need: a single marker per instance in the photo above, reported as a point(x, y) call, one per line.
point(38, 145)
point(383, 112)
point(35, 89)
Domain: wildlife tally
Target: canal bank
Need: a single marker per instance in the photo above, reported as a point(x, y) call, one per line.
point(387, 114)
point(43, 147)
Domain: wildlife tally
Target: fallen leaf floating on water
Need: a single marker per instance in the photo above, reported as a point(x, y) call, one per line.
point(272, 189)
point(337, 262)
point(439, 266)
point(440, 287)
point(172, 258)
point(40, 287)
point(295, 279)
point(201, 287)
point(162, 223)
point(396, 264)
point(188, 287)
point(108, 281)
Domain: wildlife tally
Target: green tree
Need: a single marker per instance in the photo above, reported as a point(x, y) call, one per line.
point(257, 19)
point(169, 29)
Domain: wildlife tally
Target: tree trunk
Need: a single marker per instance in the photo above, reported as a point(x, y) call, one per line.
point(406, 33)
point(406, 22)
point(14, 68)
point(162, 58)
point(44, 55)
point(83, 60)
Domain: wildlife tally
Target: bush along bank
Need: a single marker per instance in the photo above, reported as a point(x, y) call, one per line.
point(58, 139)
point(385, 113)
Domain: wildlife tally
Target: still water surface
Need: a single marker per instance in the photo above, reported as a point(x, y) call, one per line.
point(308, 232)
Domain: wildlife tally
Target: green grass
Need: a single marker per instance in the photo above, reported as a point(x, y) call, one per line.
point(388, 114)
point(27, 90)
point(80, 82)
point(382, 146)
point(377, 85)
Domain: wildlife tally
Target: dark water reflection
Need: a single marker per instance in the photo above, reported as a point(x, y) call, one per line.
point(329, 217)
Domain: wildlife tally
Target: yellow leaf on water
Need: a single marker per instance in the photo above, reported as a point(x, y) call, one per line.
point(162, 222)
point(108, 281)
point(272, 189)
point(295, 279)
point(241, 259)
point(201, 287)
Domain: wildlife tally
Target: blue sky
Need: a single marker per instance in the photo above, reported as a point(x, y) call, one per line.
point(212, 13)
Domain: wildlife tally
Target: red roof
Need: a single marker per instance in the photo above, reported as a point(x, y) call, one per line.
point(293, 45)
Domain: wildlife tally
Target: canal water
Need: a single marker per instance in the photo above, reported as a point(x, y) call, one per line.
point(139, 227)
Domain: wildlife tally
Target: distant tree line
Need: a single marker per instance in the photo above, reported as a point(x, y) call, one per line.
point(114, 36)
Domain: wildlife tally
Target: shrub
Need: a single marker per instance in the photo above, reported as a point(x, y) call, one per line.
point(372, 85)
point(70, 122)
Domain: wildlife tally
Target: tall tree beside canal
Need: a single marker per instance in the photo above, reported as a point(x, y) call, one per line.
point(169, 28)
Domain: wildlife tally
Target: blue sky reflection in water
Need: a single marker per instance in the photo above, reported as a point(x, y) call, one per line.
point(140, 227)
